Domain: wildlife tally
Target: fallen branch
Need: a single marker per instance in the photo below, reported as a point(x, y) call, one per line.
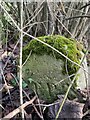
point(16, 111)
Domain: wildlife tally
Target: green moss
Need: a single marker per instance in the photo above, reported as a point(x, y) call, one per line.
point(67, 46)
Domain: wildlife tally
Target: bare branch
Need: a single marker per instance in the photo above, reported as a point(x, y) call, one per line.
point(79, 16)
point(87, 4)
point(18, 110)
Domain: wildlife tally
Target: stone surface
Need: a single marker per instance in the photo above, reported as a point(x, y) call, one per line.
point(83, 76)
point(46, 71)
point(70, 110)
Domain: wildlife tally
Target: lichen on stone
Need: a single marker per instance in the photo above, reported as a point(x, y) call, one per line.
point(47, 67)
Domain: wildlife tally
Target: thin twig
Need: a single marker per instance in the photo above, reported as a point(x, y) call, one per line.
point(18, 110)
point(27, 58)
point(5, 85)
point(87, 4)
point(64, 26)
point(64, 79)
point(35, 11)
point(2, 107)
point(79, 16)
point(75, 10)
point(33, 17)
point(21, 46)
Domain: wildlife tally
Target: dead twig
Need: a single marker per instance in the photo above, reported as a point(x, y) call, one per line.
point(87, 4)
point(16, 111)
point(79, 16)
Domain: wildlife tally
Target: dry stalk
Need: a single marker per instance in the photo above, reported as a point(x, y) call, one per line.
point(18, 110)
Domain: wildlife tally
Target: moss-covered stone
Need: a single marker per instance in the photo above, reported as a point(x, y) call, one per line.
point(45, 67)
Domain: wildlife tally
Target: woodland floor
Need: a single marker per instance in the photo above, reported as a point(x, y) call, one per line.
point(10, 98)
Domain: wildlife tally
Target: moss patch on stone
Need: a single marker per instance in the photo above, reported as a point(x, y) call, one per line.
point(43, 65)
point(67, 46)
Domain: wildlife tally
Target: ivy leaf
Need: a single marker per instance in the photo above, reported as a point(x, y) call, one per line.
point(13, 82)
point(24, 84)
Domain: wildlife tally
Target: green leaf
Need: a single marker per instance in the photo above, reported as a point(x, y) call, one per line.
point(33, 81)
point(30, 80)
point(24, 84)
